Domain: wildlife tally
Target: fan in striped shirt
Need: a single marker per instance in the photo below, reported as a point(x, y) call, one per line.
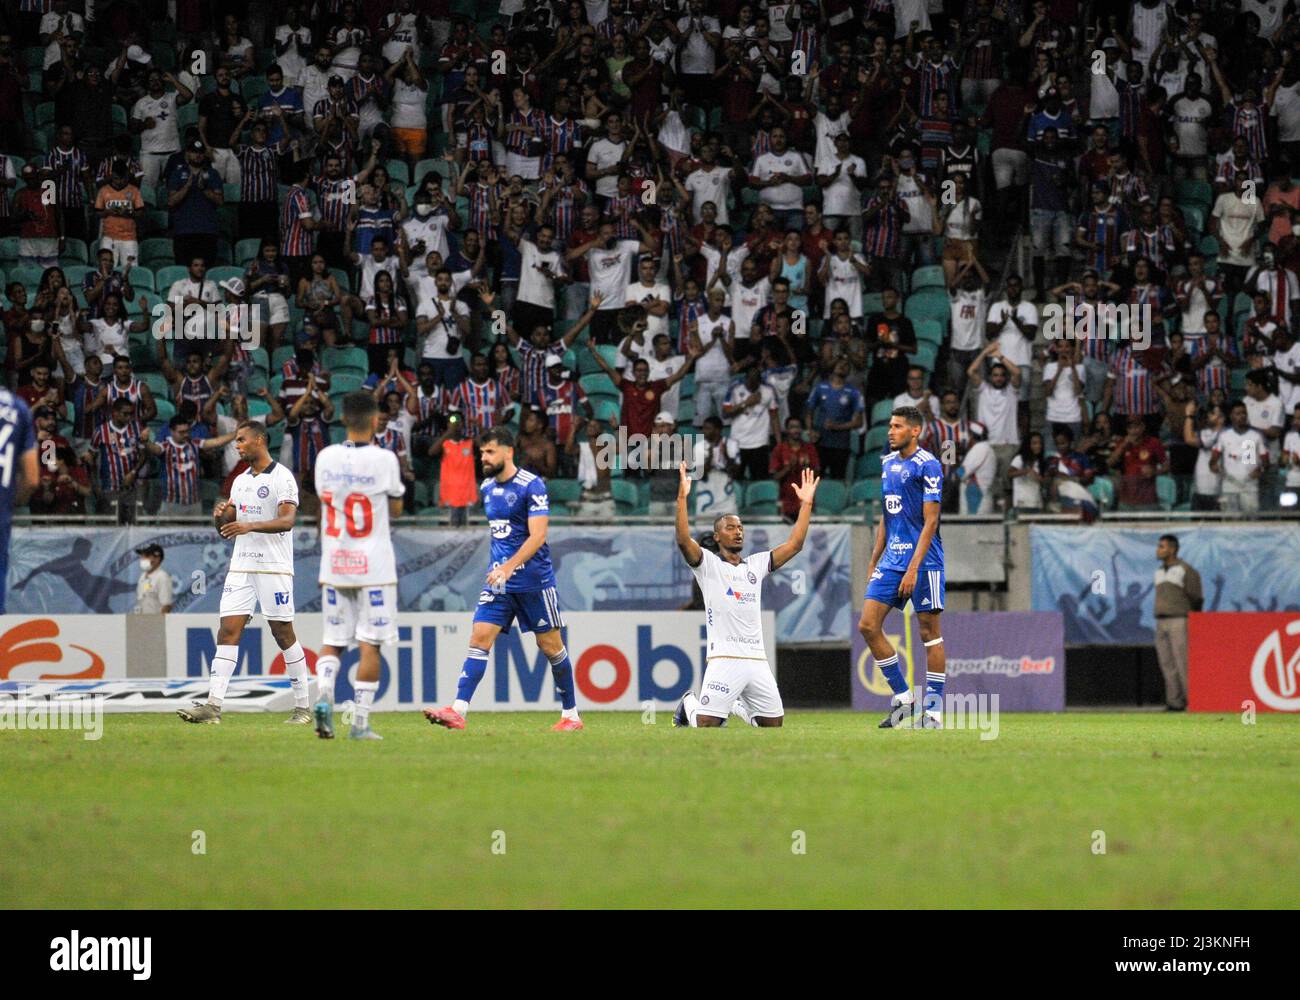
point(478, 398)
point(180, 461)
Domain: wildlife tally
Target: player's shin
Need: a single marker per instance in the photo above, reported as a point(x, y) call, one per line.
point(562, 672)
point(470, 675)
point(223, 668)
point(892, 673)
point(295, 665)
point(935, 663)
point(327, 668)
point(365, 694)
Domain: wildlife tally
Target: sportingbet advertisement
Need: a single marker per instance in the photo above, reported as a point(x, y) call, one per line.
point(620, 661)
point(1236, 661)
point(1017, 655)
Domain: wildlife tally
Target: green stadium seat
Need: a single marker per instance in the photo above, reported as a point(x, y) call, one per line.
point(1166, 492)
point(344, 358)
point(868, 467)
point(598, 383)
point(881, 411)
point(142, 280)
point(246, 250)
point(76, 251)
point(861, 495)
point(157, 251)
point(1103, 491)
point(929, 303)
point(343, 382)
point(928, 331)
point(876, 440)
point(760, 498)
point(832, 497)
point(399, 171)
point(281, 355)
point(566, 491)
point(1195, 192)
point(157, 383)
point(607, 409)
point(628, 498)
point(9, 248)
point(166, 410)
point(930, 276)
point(925, 356)
point(165, 277)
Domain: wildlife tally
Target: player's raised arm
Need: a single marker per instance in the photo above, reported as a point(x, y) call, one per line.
point(792, 546)
point(690, 548)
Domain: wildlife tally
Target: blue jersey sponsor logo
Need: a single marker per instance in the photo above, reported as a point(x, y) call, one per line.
point(907, 484)
point(508, 507)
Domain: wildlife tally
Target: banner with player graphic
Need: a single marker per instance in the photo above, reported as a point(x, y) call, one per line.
point(1017, 655)
point(1102, 581)
point(61, 571)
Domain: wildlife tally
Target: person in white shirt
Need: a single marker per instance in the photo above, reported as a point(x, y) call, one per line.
point(1291, 450)
point(361, 488)
point(997, 399)
point(842, 179)
point(154, 116)
point(1029, 474)
point(698, 37)
point(828, 124)
point(259, 515)
point(1192, 113)
point(425, 232)
point(315, 78)
point(978, 473)
point(737, 678)
point(709, 182)
point(57, 24)
point(400, 31)
point(1206, 480)
point(1013, 321)
point(1264, 411)
point(541, 266)
point(751, 407)
point(664, 364)
point(654, 296)
point(969, 305)
point(780, 174)
point(841, 275)
point(713, 335)
point(605, 157)
point(1240, 456)
point(723, 262)
point(1063, 381)
point(292, 45)
point(1286, 364)
point(748, 297)
point(442, 320)
point(609, 264)
point(1150, 18)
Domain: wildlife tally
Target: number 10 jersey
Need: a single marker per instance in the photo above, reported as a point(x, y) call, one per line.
point(354, 483)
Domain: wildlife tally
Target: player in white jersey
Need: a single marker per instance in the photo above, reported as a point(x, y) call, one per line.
point(360, 488)
point(737, 678)
point(259, 515)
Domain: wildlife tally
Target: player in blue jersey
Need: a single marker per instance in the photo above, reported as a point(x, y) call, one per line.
point(907, 564)
point(520, 584)
point(19, 472)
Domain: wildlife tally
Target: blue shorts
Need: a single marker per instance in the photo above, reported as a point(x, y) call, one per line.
point(535, 610)
point(927, 596)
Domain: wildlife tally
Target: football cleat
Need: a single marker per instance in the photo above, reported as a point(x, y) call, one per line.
point(931, 720)
point(900, 715)
point(567, 726)
point(679, 716)
point(299, 717)
point(447, 717)
point(363, 734)
point(201, 712)
point(324, 713)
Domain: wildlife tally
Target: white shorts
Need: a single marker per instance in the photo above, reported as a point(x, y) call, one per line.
point(274, 306)
point(359, 614)
point(124, 251)
point(1010, 166)
point(272, 592)
point(727, 678)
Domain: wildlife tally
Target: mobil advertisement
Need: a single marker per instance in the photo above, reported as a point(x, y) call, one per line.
point(1019, 656)
point(1235, 658)
point(620, 661)
point(62, 648)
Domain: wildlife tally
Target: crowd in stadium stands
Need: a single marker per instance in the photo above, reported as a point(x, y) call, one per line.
point(768, 224)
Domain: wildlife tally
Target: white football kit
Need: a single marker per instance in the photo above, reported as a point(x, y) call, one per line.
point(358, 569)
point(261, 567)
point(736, 660)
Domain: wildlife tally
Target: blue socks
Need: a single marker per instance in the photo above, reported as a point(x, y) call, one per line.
point(562, 671)
point(471, 673)
point(892, 673)
point(933, 691)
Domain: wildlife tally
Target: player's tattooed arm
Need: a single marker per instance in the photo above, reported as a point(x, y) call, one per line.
point(690, 548)
point(793, 545)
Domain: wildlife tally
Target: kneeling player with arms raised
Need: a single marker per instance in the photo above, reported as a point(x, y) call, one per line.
point(907, 564)
point(360, 488)
point(259, 515)
point(520, 584)
point(737, 677)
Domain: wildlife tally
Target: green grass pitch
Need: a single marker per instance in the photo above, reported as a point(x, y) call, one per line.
point(1197, 811)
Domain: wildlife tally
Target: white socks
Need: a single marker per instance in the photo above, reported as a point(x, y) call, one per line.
point(295, 665)
point(460, 707)
point(365, 698)
point(743, 713)
point(327, 668)
point(223, 667)
point(692, 706)
point(569, 713)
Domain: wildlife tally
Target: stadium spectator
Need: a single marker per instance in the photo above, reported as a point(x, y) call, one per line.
point(153, 591)
point(1140, 458)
